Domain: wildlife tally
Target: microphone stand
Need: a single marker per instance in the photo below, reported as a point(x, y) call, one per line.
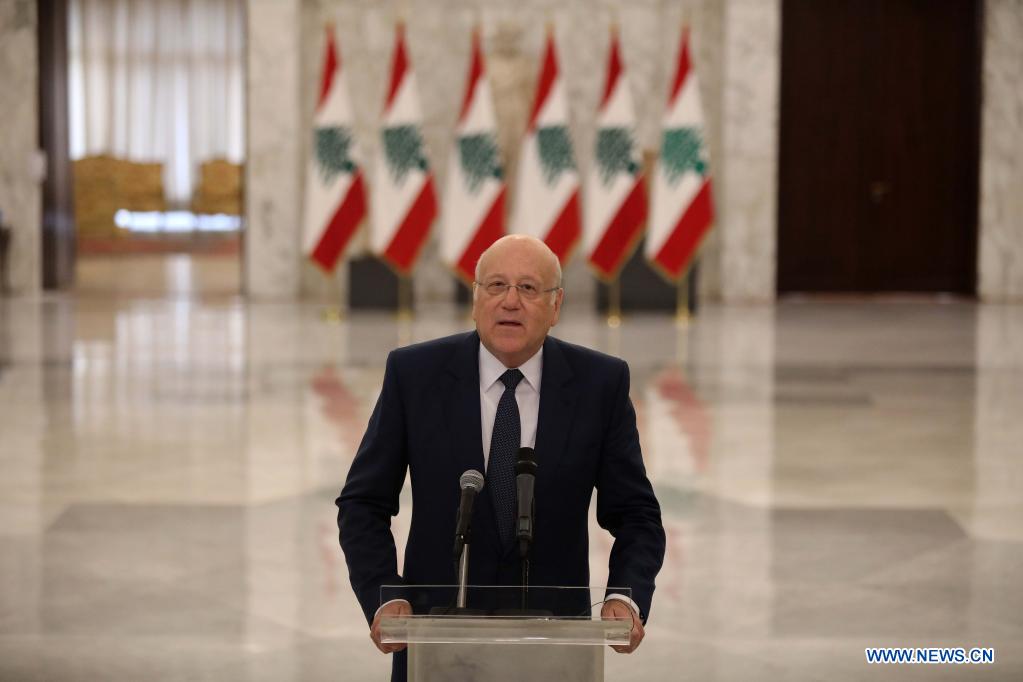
point(524, 553)
point(460, 608)
point(471, 482)
point(463, 576)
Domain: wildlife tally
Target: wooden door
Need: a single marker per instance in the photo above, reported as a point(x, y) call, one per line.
point(879, 145)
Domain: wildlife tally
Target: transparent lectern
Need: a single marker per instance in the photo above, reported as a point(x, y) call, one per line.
point(503, 633)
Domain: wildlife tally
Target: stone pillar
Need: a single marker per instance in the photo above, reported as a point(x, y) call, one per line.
point(748, 183)
point(1000, 234)
point(273, 200)
point(20, 161)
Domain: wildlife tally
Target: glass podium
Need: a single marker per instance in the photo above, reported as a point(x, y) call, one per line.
point(503, 633)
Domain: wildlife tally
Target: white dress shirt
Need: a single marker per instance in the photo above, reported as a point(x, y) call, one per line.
point(527, 395)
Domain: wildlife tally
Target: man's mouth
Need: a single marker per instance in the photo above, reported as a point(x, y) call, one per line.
point(509, 323)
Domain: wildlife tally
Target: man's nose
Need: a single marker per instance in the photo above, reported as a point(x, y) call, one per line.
point(510, 302)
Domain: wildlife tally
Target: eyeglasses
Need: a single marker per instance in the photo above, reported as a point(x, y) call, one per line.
point(528, 291)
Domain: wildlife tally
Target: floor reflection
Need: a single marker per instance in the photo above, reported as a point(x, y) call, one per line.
point(832, 476)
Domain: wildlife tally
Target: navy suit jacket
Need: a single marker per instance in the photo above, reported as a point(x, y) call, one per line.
point(427, 421)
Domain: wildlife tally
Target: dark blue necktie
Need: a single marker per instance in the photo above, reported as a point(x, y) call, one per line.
point(504, 446)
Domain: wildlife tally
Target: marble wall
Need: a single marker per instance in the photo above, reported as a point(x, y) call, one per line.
point(20, 169)
point(748, 187)
point(737, 53)
point(273, 176)
point(732, 55)
point(1001, 170)
point(736, 50)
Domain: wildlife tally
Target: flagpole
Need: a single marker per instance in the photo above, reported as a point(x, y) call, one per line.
point(681, 344)
point(682, 301)
point(614, 303)
point(404, 313)
point(404, 297)
point(335, 313)
point(614, 340)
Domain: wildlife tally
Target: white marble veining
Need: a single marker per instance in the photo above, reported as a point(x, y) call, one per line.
point(20, 191)
point(747, 193)
point(831, 476)
point(273, 171)
point(1001, 170)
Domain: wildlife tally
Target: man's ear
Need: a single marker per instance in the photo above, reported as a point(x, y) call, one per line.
point(559, 298)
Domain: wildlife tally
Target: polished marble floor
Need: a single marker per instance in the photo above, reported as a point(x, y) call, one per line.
point(833, 475)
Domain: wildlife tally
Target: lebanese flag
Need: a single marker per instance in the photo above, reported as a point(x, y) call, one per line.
point(404, 204)
point(335, 196)
point(615, 200)
point(547, 198)
point(474, 198)
point(683, 209)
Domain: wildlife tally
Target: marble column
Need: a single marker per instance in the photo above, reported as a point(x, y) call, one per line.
point(748, 184)
point(1000, 267)
point(273, 201)
point(20, 162)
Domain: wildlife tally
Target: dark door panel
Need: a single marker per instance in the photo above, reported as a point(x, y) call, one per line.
point(879, 145)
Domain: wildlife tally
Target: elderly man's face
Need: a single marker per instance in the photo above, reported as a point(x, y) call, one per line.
point(511, 325)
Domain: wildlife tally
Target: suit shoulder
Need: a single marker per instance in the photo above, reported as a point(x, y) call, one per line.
point(428, 353)
point(585, 359)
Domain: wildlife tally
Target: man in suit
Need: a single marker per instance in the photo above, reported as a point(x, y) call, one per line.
point(469, 401)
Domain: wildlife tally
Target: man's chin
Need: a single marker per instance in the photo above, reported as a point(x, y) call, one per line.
point(509, 351)
point(510, 336)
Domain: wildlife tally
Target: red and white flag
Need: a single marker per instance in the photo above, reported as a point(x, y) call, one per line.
point(404, 203)
point(335, 196)
point(474, 198)
point(615, 198)
point(683, 210)
point(547, 197)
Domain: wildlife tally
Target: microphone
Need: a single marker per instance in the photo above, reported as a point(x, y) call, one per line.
point(525, 479)
point(471, 482)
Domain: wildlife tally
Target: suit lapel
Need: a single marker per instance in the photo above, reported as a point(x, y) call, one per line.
point(462, 417)
point(462, 410)
point(558, 401)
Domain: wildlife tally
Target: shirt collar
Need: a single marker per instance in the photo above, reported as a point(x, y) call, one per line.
point(491, 369)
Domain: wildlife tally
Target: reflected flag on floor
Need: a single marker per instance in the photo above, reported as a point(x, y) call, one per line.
point(474, 197)
point(615, 197)
point(547, 197)
point(404, 203)
point(682, 208)
point(335, 195)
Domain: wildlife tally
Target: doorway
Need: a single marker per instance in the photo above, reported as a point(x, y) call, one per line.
point(879, 146)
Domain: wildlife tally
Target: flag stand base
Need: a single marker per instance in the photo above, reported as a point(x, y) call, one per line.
point(334, 315)
point(404, 312)
point(682, 316)
point(614, 304)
